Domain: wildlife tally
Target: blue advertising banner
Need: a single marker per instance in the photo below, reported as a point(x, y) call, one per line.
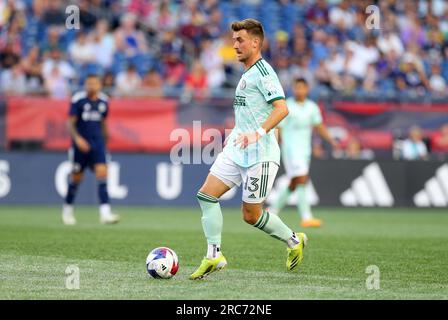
point(134, 179)
point(153, 180)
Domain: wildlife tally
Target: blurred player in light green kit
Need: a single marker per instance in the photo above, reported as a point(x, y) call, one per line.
point(295, 133)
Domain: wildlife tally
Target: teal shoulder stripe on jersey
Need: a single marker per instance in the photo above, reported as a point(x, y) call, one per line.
point(252, 66)
point(263, 67)
point(259, 69)
point(276, 98)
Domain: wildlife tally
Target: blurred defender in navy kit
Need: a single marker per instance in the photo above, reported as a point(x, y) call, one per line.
point(88, 130)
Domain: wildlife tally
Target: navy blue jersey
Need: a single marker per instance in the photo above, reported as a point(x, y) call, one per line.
point(90, 114)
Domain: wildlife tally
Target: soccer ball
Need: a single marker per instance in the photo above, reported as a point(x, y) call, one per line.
point(162, 263)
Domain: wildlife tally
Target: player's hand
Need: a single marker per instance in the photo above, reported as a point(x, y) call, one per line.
point(245, 139)
point(335, 145)
point(82, 144)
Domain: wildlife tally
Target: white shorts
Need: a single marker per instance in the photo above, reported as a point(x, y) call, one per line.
point(296, 167)
point(257, 180)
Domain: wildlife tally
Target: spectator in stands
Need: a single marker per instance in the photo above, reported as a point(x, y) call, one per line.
point(341, 16)
point(196, 82)
point(32, 67)
point(389, 41)
point(410, 78)
point(54, 13)
point(128, 81)
point(162, 18)
point(440, 139)
point(56, 84)
point(86, 18)
point(192, 21)
point(82, 51)
point(152, 84)
point(229, 61)
point(437, 83)
point(108, 82)
point(13, 34)
point(54, 66)
point(52, 41)
point(410, 31)
point(414, 148)
point(212, 62)
point(8, 56)
point(319, 10)
point(213, 28)
point(174, 71)
point(369, 83)
point(104, 44)
point(128, 38)
point(354, 151)
point(13, 80)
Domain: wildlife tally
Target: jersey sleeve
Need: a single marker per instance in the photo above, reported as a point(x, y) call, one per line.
point(74, 109)
point(316, 116)
point(106, 112)
point(269, 85)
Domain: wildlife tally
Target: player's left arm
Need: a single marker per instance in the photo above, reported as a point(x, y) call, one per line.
point(279, 112)
point(325, 134)
point(104, 131)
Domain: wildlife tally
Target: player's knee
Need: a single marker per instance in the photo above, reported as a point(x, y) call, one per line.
point(249, 216)
point(203, 196)
point(77, 177)
point(101, 172)
point(297, 181)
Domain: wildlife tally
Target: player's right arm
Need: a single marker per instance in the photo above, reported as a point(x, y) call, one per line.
point(80, 142)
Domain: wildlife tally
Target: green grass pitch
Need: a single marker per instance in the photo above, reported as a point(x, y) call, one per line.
point(410, 248)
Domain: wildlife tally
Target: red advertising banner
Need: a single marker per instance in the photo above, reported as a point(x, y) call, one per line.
point(134, 124)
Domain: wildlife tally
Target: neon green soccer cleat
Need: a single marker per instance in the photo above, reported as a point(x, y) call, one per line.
point(208, 266)
point(295, 256)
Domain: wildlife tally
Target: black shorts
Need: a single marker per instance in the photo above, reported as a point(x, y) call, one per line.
point(82, 160)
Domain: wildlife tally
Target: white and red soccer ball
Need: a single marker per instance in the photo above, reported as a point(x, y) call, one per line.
point(162, 263)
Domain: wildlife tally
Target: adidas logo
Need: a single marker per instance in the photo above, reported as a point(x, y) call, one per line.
point(252, 196)
point(368, 190)
point(435, 191)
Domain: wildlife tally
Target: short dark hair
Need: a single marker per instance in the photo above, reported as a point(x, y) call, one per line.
point(92, 75)
point(252, 26)
point(301, 80)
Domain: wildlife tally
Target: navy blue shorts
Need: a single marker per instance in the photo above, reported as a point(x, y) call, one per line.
point(82, 160)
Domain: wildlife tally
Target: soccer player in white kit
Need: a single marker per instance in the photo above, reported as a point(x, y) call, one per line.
point(295, 133)
point(251, 155)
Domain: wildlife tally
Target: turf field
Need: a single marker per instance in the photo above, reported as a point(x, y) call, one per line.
point(410, 248)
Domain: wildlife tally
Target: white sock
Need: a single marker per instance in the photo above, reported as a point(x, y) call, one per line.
point(213, 251)
point(105, 210)
point(307, 215)
point(293, 241)
point(67, 209)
